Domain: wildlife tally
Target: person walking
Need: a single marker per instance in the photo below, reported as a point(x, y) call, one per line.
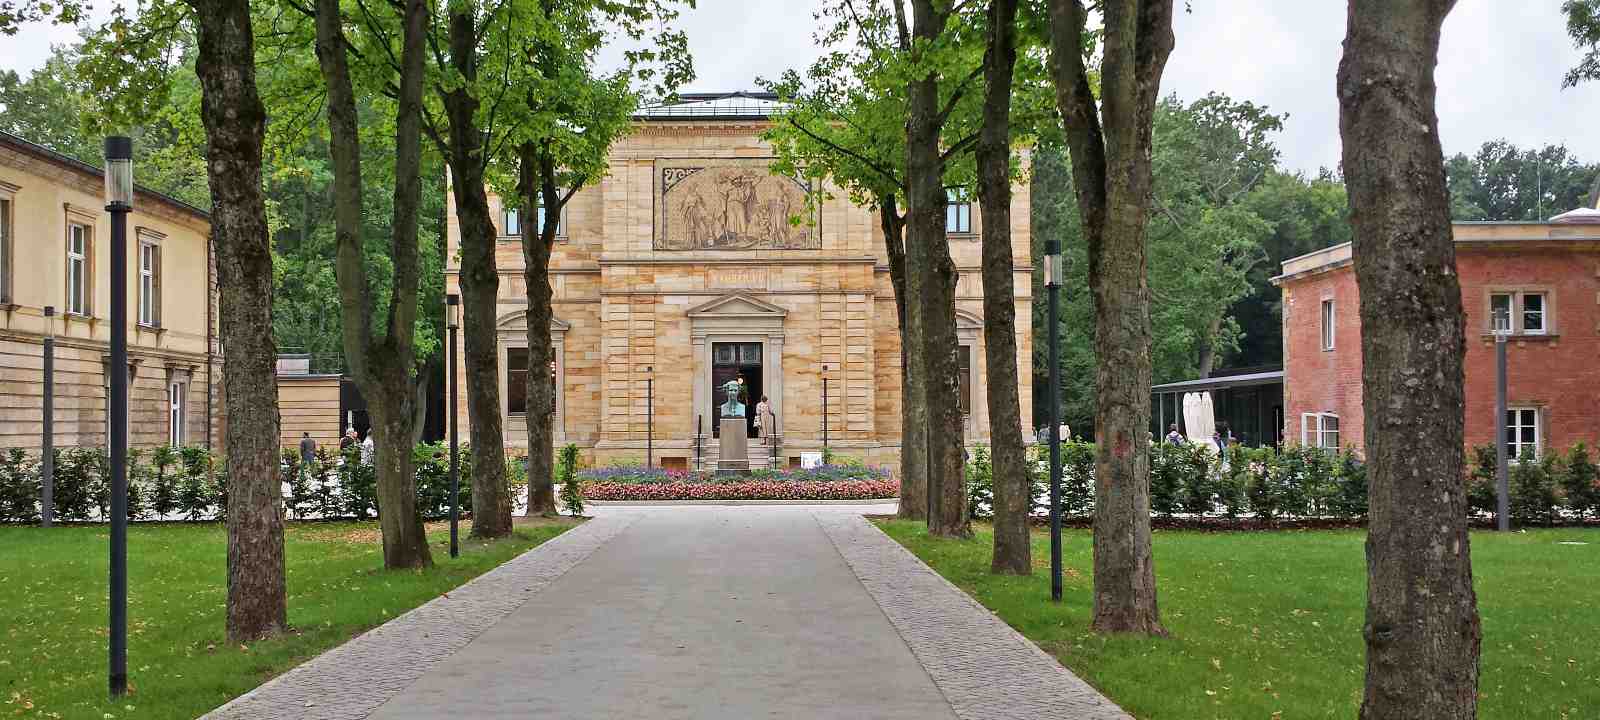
point(308, 449)
point(762, 409)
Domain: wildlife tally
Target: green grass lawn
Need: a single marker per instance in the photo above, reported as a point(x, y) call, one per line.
point(53, 610)
point(1268, 624)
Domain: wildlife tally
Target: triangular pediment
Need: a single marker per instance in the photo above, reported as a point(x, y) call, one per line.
point(737, 305)
point(518, 320)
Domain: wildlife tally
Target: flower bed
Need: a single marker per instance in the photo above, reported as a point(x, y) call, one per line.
point(745, 488)
point(636, 475)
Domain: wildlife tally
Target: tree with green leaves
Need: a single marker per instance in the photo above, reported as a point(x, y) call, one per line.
point(1422, 629)
point(1109, 138)
point(127, 59)
point(380, 363)
point(1504, 182)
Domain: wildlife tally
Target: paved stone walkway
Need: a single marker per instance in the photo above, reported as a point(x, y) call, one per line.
point(692, 612)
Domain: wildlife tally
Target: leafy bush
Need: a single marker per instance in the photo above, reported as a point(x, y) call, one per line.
point(1077, 478)
point(567, 475)
point(298, 501)
point(136, 485)
point(1533, 489)
point(19, 488)
point(1180, 477)
point(1349, 498)
point(358, 485)
point(325, 485)
point(1581, 481)
point(980, 484)
point(163, 481)
point(1481, 494)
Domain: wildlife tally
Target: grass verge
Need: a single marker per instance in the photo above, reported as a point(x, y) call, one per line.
point(53, 610)
point(1268, 625)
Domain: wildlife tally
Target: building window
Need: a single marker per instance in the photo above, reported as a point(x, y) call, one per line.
point(958, 211)
point(517, 381)
point(79, 246)
point(149, 284)
point(1528, 313)
point(510, 222)
point(175, 414)
point(5, 250)
point(1327, 324)
point(1522, 433)
point(561, 221)
point(1320, 430)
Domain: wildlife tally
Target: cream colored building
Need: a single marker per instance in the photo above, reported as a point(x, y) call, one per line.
point(679, 270)
point(55, 251)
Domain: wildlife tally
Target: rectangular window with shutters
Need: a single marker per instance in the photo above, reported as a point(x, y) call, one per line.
point(149, 284)
point(79, 250)
point(1522, 433)
point(517, 381)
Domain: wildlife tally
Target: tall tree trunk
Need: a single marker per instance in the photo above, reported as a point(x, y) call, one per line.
point(1012, 487)
point(235, 121)
point(1422, 630)
point(537, 186)
point(1111, 175)
point(913, 429)
point(932, 282)
point(382, 366)
point(480, 288)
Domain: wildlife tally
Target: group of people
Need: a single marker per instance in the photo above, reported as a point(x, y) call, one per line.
point(1222, 438)
point(308, 446)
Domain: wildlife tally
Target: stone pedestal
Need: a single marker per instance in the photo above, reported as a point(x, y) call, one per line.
point(733, 456)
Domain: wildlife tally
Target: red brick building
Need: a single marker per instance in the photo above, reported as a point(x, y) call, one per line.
point(1544, 275)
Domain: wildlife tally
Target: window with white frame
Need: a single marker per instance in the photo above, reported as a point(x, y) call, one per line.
point(1319, 430)
point(1327, 324)
point(1522, 432)
point(510, 222)
point(78, 276)
point(957, 211)
point(149, 284)
point(175, 413)
point(1526, 311)
point(5, 249)
point(561, 220)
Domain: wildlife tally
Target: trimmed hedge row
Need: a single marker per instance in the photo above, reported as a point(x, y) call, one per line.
point(1296, 482)
point(189, 483)
point(745, 489)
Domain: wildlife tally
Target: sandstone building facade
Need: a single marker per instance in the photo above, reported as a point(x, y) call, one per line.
point(55, 251)
point(1543, 276)
point(680, 270)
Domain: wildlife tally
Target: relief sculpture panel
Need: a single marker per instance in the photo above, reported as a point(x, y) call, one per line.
point(731, 204)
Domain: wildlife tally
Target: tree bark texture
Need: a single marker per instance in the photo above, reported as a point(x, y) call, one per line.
point(931, 275)
point(1111, 175)
point(480, 287)
point(1012, 487)
point(235, 123)
point(913, 431)
point(381, 366)
point(537, 185)
point(1422, 629)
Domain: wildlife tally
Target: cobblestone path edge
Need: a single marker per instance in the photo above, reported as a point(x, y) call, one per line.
point(353, 679)
point(986, 669)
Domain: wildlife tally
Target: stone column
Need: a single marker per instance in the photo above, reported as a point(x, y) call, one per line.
point(702, 384)
point(773, 380)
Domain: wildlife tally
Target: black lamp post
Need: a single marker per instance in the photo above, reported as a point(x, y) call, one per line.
point(649, 416)
point(452, 321)
point(825, 413)
point(47, 442)
point(1502, 504)
point(1052, 284)
point(119, 201)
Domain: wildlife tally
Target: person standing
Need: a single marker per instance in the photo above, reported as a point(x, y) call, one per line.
point(762, 409)
point(308, 450)
point(1173, 436)
point(367, 449)
point(348, 439)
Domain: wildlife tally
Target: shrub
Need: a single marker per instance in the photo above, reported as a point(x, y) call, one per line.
point(1077, 478)
point(358, 485)
point(325, 490)
point(163, 485)
point(567, 475)
point(297, 501)
point(1533, 490)
point(1481, 494)
point(744, 489)
point(1349, 498)
point(1581, 481)
point(136, 485)
point(980, 484)
point(19, 488)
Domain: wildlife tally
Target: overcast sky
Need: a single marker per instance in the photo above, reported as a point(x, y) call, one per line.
point(1499, 70)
